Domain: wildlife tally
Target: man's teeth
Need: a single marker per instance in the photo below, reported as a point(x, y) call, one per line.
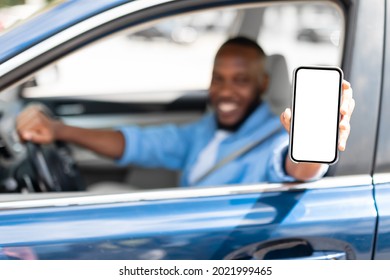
point(227, 107)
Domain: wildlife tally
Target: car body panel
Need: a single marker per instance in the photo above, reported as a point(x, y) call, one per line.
point(382, 196)
point(187, 228)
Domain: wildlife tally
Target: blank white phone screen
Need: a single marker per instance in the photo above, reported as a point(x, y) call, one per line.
point(315, 115)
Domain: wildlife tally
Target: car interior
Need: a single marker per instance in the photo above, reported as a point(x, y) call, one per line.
point(152, 76)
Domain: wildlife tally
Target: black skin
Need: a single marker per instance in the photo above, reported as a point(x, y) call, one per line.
point(238, 81)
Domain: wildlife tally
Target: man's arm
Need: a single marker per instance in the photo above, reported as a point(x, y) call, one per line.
point(33, 125)
point(307, 171)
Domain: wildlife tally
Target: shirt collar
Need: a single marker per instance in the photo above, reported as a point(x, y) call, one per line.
point(258, 117)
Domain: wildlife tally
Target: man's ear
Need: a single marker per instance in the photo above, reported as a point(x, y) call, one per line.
point(263, 83)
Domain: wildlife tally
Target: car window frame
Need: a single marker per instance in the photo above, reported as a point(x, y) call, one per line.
point(138, 19)
point(381, 169)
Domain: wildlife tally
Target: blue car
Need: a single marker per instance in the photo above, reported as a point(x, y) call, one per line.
point(80, 60)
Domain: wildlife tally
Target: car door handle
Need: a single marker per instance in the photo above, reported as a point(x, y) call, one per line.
point(323, 255)
point(294, 249)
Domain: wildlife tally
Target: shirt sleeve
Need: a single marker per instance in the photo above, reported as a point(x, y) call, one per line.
point(277, 172)
point(160, 146)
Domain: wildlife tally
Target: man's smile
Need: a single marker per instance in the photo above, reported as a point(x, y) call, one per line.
point(227, 106)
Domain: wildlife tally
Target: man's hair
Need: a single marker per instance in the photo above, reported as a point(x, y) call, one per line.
point(244, 42)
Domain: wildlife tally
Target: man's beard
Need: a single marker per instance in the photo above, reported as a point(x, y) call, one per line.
point(234, 127)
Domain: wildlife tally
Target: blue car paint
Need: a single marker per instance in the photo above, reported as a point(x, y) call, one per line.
point(201, 228)
point(382, 198)
point(49, 23)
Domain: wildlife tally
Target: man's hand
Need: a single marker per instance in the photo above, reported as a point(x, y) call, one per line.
point(307, 171)
point(346, 110)
point(35, 126)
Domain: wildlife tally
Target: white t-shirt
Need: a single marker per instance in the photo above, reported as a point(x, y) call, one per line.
point(208, 156)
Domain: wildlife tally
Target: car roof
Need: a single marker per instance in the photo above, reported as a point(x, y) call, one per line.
point(50, 22)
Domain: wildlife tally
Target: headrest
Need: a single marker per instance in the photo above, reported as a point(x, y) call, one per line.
point(278, 94)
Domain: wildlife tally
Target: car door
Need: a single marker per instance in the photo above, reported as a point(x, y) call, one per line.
point(333, 218)
point(240, 222)
point(382, 164)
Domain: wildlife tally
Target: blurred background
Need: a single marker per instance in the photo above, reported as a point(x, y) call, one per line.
point(183, 47)
point(12, 11)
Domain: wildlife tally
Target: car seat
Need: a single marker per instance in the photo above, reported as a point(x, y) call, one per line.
point(278, 94)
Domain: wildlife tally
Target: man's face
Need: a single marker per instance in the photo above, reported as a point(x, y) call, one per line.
point(238, 80)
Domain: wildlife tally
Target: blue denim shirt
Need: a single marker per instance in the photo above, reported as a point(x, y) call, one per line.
point(177, 147)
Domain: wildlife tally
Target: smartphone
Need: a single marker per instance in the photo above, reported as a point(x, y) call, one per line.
point(315, 114)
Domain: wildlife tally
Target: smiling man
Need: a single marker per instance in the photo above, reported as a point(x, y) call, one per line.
point(204, 150)
point(238, 81)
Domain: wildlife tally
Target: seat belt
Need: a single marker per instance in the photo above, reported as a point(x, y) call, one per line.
point(236, 154)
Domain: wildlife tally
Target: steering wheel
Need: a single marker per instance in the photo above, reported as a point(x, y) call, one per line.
point(37, 168)
point(54, 167)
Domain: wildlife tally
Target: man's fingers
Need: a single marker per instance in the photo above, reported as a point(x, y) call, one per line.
point(351, 107)
point(40, 136)
point(27, 129)
point(344, 122)
point(27, 116)
point(346, 110)
point(346, 84)
point(342, 144)
point(28, 124)
point(347, 98)
point(345, 129)
point(28, 112)
point(33, 126)
point(285, 119)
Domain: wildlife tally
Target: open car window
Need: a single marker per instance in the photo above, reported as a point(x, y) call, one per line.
point(164, 59)
point(160, 73)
